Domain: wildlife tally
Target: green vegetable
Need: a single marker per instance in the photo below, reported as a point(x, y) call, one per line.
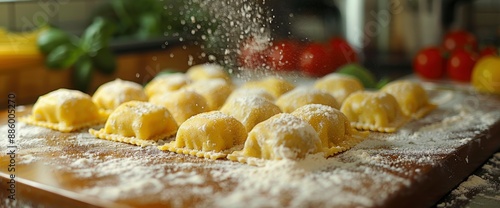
point(91, 51)
point(148, 26)
point(49, 39)
point(137, 19)
point(157, 18)
point(82, 74)
point(63, 56)
point(97, 36)
point(382, 82)
point(364, 75)
point(167, 71)
point(104, 61)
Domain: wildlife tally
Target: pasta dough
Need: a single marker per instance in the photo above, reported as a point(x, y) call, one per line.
point(139, 123)
point(182, 104)
point(208, 71)
point(338, 85)
point(166, 83)
point(332, 126)
point(411, 97)
point(110, 95)
point(215, 91)
point(376, 111)
point(65, 110)
point(301, 96)
point(248, 92)
point(210, 135)
point(282, 136)
point(250, 110)
point(273, 85)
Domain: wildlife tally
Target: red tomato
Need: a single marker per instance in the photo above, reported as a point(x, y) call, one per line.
point(459, 39)
point(488, 51)
point(342, 52)
point(315, 60)
point(284, 55)
point(460, 65)
point(253, 53)
point(429, 63)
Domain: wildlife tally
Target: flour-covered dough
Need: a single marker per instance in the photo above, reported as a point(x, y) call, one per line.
point(282, 136)
point(412, 98)
point(301, 96)
point(376, 111)
point(139, 123)
point(332, 126)
point(65, 110)
point(210, 135)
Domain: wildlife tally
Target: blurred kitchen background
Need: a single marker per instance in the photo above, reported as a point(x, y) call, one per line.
point(71, 15)
point(385, 33)
point(388, 33)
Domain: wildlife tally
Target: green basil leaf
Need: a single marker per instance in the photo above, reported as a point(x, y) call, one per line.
point(97, 35)
point(105, 61)
point(167, 72)
point(365, 76)
point(149, 26)
point(49, 39)
point(82, 74)
point(63, 56)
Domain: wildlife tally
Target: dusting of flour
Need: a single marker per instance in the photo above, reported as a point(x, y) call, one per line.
point(365, 176)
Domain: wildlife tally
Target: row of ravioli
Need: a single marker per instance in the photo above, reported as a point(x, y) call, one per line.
point(212, 118)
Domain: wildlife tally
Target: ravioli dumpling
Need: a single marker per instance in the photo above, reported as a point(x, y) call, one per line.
point(273, 85)
point(208, 71)
point(250, 110)
point(215, 91)
point(332, 126)
point(376, 111)
point(110, 95)
point(166, 83)
point(139, 123)
point(339, 85)
point(65, 110)
point(411, 97)
point(301, 96)
point(249, 92)
point(211, 135)
point(182, 104)
point(282, 136)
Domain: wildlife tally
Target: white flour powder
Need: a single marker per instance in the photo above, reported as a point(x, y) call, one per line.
point(365, 176)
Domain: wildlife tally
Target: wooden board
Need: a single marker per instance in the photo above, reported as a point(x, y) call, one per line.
point(414, 167)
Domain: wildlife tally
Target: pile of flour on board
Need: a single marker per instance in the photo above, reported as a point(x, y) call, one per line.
point(366, 175)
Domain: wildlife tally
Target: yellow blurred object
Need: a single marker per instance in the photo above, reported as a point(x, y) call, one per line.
point(19, 49)
point(486, 75)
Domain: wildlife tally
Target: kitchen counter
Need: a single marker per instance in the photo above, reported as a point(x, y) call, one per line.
point(414, 167)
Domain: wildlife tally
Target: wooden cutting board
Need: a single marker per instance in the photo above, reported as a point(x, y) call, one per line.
point(414, 167)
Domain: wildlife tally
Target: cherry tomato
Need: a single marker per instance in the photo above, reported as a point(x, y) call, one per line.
point(488, 51)
point(284, 55)
point(253, 53)
point(315, 60)
point(460, 65)
point(342, 52)
point(459, 39)
point(429, 63)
